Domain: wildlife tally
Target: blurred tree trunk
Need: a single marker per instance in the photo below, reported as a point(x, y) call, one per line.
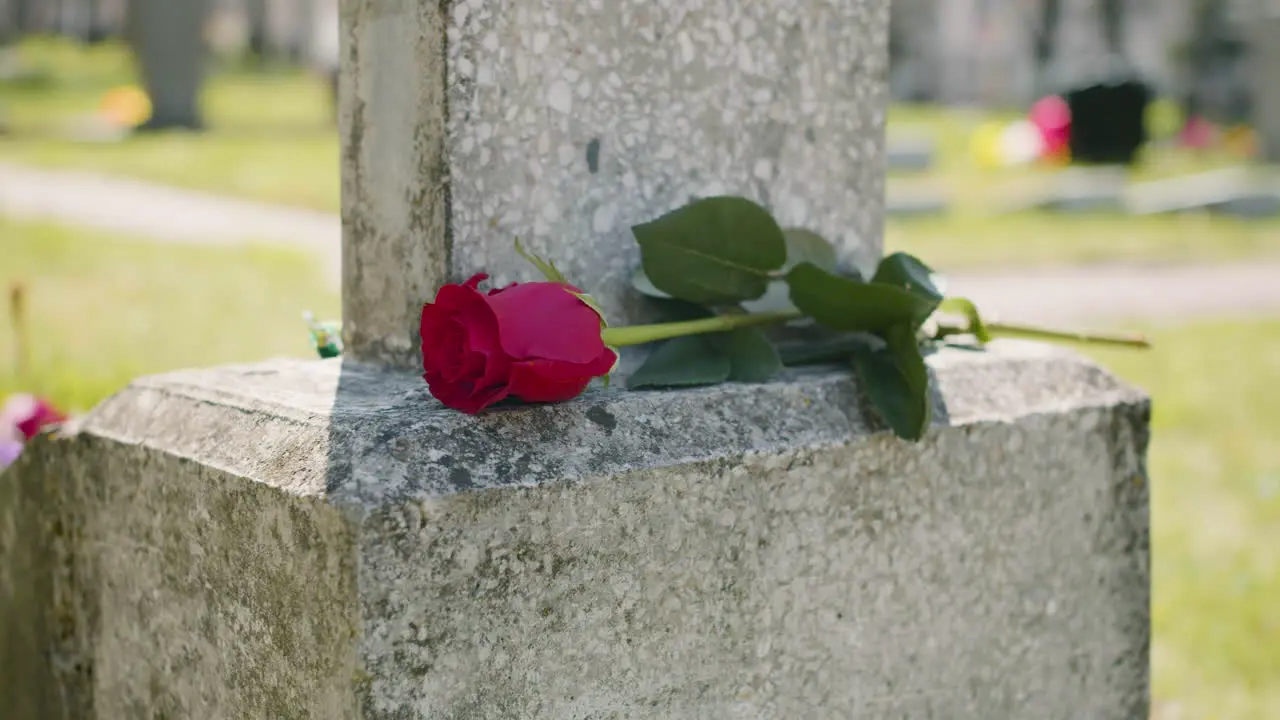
point(97, 29)
point(23, 14)
point(1046, 35)
point(167, 37)
point(256, 13)
point(1112, 23)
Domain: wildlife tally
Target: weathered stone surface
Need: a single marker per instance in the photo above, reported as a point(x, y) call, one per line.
point(229, 543)
point(468, 124)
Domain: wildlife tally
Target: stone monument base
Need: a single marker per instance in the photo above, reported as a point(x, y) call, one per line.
point(314, 539)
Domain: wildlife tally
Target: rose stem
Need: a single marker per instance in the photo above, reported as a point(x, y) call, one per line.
point(1038, 333)
point(641, 334)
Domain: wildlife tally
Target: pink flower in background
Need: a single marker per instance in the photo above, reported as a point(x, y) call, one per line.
point(1052, 116)
point(21, 418)
point(9, 451)
point(1198, 133)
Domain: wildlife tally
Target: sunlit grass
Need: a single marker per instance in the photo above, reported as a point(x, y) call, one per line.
point(272, 135)
point(102, 310)
point(1215, 466)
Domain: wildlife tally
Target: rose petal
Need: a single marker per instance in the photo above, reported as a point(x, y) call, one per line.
point(555, 381)
point(464, 395)
point(462, 357)
point(461, 311)
point(544, 321)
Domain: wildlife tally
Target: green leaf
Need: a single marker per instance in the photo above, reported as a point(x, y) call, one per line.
point(897, 381)
point(846, 304)
point(679, 311)
point(752, 358)
point(965, 307)
point(548, 269)
point(683, 362)
point(641, 282)
point(713, 251)
point(808, 246)
point(802, 246)
point(907, 272)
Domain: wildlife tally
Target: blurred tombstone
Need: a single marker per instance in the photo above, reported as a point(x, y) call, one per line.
point(909, 154)
point(1216, 66)
point(1108, 122)
point(167, 37)
point(256, 19)
point(104, 20)
point(916, 204)
point(324, 46)
point(1238, 192)
point(1265, 61)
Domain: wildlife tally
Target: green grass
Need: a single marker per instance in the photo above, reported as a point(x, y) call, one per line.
point(102, 310)
point(1215, 466)
point(272, 138)
point(977, 235)
point(988, 242)
point(271, 134)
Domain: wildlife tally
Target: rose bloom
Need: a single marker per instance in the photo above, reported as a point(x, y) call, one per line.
point(534, 341)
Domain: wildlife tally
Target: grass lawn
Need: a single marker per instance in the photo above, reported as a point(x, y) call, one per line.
point(272, 138)
point(272, 134)
point(969, 241)
point(102, 310)
point(974, 235)
point(1215, 465)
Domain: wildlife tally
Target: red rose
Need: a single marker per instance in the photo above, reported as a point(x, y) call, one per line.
point(535, 341)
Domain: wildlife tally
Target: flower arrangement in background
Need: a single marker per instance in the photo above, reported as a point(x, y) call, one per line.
point(22, 417)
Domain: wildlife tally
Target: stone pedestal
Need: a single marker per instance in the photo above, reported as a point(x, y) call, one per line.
point(302, 539)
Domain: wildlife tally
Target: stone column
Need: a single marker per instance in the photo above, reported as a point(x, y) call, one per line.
point(322, 539)
point(167, 37)
point(566, 123)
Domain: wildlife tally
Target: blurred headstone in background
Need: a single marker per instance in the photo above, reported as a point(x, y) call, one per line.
point(1214, 60)
point(1264, 58)
point(255, 12)
point(1006, 53)
point(168, 40)
point(1108, 122)
point(325, 51)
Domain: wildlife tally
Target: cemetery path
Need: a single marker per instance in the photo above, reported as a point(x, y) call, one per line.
point(1149, 293)
point(1164, 294)
point(150, 211)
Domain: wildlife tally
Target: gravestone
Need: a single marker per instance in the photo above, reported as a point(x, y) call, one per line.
point(167, 37)
point(1108, 122)
point(1236, 192)
point(322, 539)
point(1264, 50)
point(909, 154)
